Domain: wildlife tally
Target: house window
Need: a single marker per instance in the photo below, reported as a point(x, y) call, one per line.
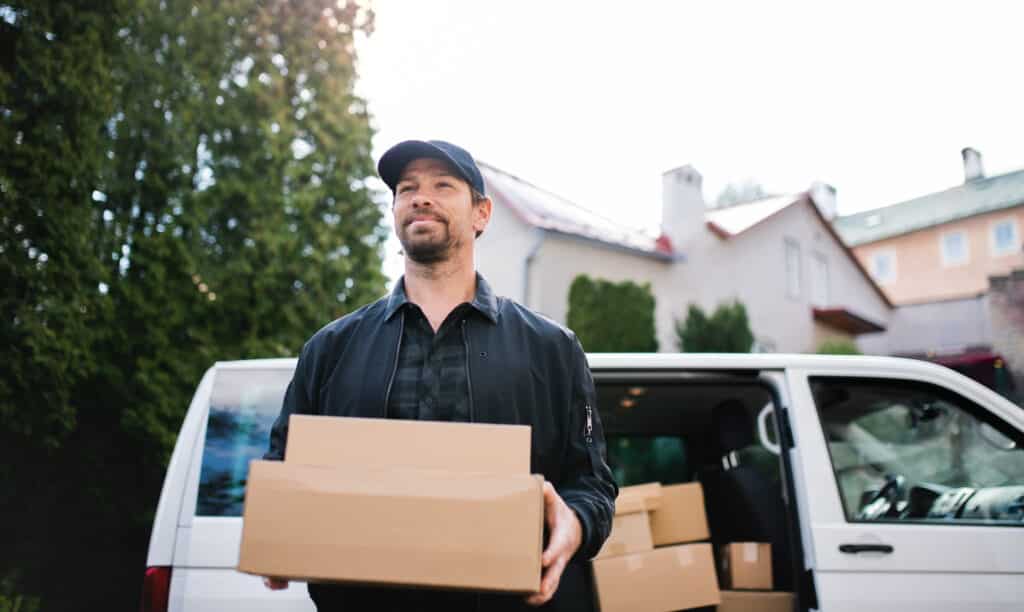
point(955, 250)
point(1005, 239)
point(819, 296)
point(792, 268)
point(883, 267)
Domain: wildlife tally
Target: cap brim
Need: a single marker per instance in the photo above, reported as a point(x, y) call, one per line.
point(397, 157)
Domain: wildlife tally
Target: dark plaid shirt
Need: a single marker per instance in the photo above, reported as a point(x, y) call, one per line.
point(432, 381)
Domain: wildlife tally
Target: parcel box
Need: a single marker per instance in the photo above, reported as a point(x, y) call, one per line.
point(747, 565)
point(660, 580)
point(631, 529)
point(388, 502)
point(647, 494)
point(756, 601)
point(680, 516)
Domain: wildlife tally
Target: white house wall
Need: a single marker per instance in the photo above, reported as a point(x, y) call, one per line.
point(752, 266)
point(501, 252)
point(562, 258)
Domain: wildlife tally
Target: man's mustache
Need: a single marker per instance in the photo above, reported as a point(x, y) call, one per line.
point(423, 217)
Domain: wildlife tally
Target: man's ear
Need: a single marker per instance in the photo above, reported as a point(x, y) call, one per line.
point(482, 215)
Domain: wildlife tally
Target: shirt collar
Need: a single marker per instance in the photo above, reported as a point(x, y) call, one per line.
point(484, 301)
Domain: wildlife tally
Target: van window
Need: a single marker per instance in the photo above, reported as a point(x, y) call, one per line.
point(640, 459)
point(243, 406)
point(908, 451)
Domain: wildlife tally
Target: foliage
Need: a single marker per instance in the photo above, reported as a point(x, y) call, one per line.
point(740, 192)
point(838, 346)
point(180, 183)
point(612, 317)
point(727, 330)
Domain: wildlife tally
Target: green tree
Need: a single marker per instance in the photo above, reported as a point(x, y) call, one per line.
point(838, 346)
point(612, 317)
point(181, 183)
point(727, 330)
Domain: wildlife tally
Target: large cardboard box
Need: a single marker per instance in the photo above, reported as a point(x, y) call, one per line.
point(747, 565)
point(631, 530)
point(352, 502)
point(660, 580)
point(680, 517)
point(756, 601)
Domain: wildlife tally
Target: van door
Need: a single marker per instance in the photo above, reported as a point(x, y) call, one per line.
point(244, 401)
point(915, 489)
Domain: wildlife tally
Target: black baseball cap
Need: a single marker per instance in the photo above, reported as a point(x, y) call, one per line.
point(397, 157)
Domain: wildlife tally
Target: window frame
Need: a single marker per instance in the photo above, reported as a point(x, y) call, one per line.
point(1015, 243)
point(893, 275)
point(793, 247)
point(821, 280)
point(942, 392)
point(947, 260)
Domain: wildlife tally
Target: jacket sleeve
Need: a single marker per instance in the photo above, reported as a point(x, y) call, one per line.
point(587, 486)
point(298, 399)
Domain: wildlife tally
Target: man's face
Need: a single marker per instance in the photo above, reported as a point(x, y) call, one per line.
point(434, 211)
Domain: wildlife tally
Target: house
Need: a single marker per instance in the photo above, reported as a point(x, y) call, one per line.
point(944, 245)
point(780, 256)
point(953, 263)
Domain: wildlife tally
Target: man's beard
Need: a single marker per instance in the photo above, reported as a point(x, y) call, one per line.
point(428, 251)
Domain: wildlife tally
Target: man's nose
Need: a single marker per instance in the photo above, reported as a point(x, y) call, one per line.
point(420, 200)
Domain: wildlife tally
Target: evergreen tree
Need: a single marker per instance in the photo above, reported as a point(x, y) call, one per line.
point(727, 330)
point(180, 183)
point(612, 317)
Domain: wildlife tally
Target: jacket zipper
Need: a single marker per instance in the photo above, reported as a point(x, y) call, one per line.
point(588, 429)
point(469, 380)
point(394, 368)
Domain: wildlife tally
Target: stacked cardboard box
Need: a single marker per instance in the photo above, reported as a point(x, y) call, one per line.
point(654, 559)
point(380, 501)
point(747, 571)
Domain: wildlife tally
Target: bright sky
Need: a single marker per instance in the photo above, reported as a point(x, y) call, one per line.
point(594, 100)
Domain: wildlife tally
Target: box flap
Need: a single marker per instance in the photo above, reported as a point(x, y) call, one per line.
point(394, 443)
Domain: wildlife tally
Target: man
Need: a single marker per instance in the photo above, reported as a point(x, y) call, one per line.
point(442, 346)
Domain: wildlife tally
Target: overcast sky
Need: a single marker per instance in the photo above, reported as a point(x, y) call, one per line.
point(594, 100)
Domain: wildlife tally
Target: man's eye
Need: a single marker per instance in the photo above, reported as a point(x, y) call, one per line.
point(444, 184)
point(404, 188)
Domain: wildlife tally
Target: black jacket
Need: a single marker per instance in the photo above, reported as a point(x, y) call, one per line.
point(523, 369)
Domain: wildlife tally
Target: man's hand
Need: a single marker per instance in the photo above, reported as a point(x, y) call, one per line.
point(564, 537)
point(275, 584)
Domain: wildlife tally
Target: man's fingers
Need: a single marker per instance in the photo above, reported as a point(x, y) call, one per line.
point(275, 584)
point(548, 584)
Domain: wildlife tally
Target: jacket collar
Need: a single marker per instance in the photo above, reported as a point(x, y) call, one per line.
point(484, 301)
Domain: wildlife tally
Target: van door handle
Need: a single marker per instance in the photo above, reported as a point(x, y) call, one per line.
point(859, 548)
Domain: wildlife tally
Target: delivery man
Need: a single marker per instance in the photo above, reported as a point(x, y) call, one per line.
point(443, 347)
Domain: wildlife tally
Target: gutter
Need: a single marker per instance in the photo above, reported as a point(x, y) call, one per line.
point(528, 263)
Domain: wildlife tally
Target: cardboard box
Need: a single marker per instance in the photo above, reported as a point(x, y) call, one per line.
point(747, 565)
point(756, 601)
point(680, 517)
point(347, 505)
point(648, 495)
point(660, 580)
point(631, 530)
point(394, 443)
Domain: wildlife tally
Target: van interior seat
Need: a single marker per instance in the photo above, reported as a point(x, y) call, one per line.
point(743, 489)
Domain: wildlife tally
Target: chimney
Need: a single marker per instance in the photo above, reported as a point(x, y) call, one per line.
point(682, 212)
point(824, 197)
point(973, 169)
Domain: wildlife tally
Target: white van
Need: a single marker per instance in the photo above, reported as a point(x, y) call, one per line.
point(882, 484)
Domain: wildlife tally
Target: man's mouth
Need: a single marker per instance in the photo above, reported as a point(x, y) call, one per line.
point(423, 218)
